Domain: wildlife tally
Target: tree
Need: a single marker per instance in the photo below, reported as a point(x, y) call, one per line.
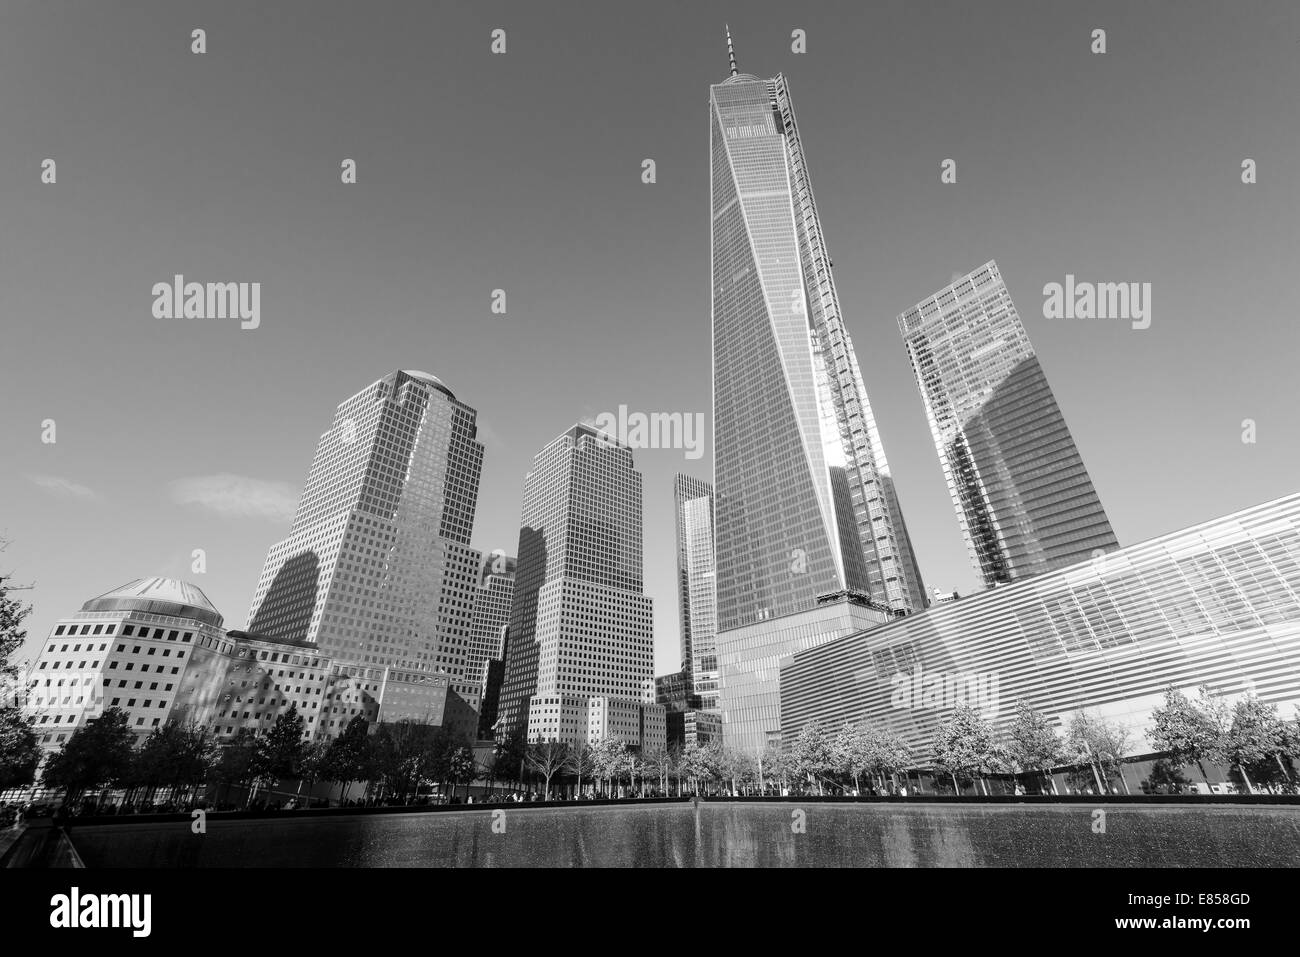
point(20, 752)
point(964, 745)
point(656, 762)
point(850, 753)
point(461, 767)
point(282, 746)
point(1184, 731)
point(609, 758)
point(1255, 737)
point(580, 763)
point(735, 766)
point(1098, 744)
point(404, 753)
point(1033, 743)
point(174, 756)
point(235, 765)
point(511, 753)
point(98, 754)
point(676, 765)
point(348, 757)
point(547, 758)
point(890, 754)
point(12, 634)
point(311, 765)
point(811, 756)
point(774, 766)
point(700, 763)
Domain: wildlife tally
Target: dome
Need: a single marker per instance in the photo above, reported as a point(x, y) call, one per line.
point(159, 596)
point(432, 380)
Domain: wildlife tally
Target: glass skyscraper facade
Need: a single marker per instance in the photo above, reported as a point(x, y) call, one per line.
point(1216, 604)
point(580, 639)
point(804, 501)
point(1024, 500)
point(693, 500)
point(377, 570)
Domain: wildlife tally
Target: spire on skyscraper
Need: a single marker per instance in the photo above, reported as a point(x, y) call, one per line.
point(731, 52)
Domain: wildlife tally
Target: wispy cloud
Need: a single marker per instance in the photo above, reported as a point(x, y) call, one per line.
point(65, 487)
point(488, 435)
point(237, 496)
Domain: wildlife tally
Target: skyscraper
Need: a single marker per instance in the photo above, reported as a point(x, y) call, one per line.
point(377, 568)
point(492, 603)
point(496, 592)
point(805, 505)
point(580, 652)
point(1023, 497)
point(693, 498)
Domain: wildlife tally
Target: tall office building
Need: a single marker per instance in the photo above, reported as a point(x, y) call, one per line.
point(492, 603)
point(800, 470)
point(693, 499)
point(580, 653)
point(1023, 497)
point(805, 504)
point(377, 570)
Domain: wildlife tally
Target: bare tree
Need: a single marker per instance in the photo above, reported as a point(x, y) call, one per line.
point(547, 758)
point(580, 764)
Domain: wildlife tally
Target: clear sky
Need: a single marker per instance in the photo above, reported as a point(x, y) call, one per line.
point(522, 172)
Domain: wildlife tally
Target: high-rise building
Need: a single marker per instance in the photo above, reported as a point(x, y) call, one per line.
point(492, 603)
point(693, 498)
point(377, 570)
point(580, 640)
point(1023, 497)
point(805, 504)
point(800, 470)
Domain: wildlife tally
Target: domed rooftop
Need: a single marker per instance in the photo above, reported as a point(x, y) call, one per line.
point(433, 380)
point(158, 596)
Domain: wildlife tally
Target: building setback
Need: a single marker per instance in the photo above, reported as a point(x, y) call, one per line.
point(1215, 604)
point(580, 656)
point(1024, 500)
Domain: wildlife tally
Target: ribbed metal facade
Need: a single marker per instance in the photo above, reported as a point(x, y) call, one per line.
point(1218, 604)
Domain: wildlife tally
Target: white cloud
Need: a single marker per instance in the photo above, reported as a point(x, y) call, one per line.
point(237, 496)
point(62, 486)
point(488, 435)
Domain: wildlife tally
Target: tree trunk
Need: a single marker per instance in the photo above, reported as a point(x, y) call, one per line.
point(1245, 777)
